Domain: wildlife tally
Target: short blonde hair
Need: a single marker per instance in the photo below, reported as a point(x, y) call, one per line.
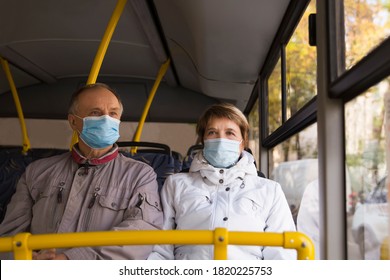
point(223, 110)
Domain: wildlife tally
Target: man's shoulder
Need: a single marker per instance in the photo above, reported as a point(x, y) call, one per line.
point(49, 161)
point(134, 163)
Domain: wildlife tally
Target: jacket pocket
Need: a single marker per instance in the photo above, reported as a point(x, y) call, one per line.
point(246, 204)
point(148, 208)
point(48, 202)
point(113, 203)
point(105, 214)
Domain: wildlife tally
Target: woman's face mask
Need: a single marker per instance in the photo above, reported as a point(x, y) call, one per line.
point(100, 132)
point(221, 152)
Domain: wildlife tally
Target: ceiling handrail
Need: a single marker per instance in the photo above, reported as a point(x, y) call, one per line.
point(26, 140)
point(137, 136)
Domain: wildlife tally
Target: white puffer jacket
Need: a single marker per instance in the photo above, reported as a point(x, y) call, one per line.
point(236, 198)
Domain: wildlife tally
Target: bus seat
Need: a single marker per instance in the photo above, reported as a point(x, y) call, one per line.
point(158, 156)
point(13, 163)
point(178, 161)
point(191, 152)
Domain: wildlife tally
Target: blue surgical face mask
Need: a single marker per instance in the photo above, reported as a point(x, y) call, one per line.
point(221, 152)
point(100, 132)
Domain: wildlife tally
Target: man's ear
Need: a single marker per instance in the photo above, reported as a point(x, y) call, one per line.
point(72, 121)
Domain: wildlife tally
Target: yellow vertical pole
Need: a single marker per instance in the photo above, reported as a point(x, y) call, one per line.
point(220, 243)
point(299, 241)
point(20, 246)
point(160, 75)
point(26, 140)
point(97, 63)
point(105, 41)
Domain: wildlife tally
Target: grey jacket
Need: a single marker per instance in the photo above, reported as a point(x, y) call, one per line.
point(57, 194)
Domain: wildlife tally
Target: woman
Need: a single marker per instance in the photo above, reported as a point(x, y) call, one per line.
point(222, 189)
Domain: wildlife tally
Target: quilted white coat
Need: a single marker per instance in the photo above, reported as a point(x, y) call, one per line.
point(236, 198)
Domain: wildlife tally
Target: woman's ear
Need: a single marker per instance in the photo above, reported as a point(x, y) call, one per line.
point(242, 146)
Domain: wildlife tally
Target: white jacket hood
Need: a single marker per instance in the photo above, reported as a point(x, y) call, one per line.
point(244, 166)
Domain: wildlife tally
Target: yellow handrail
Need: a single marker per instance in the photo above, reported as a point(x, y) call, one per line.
point(23, 244)
point(26, 140)
point(105, 41)
point(97, 63)
point(385, 249)
point(160, 75)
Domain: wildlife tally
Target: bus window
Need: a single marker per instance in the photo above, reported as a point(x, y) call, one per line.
point(294, 165)
point(365, 148)
point(301, 78)
point(254, 133)
point(367, 23)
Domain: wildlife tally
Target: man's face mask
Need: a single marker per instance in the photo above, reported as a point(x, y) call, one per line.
point(221, 152)
point(100, 132)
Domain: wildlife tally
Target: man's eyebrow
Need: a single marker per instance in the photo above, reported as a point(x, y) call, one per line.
point(95, 108)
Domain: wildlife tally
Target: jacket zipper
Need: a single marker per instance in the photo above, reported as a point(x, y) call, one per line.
point(90, 209)
point(59, 200)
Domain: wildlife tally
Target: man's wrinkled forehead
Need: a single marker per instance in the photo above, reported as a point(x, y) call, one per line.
point(98, 99)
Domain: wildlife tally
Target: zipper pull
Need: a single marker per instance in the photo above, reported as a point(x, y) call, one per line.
point(93, 199)
point(140, 200)
point(86, 168)
point(59, 195)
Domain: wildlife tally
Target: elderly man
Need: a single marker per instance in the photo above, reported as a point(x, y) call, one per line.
point(91, 188)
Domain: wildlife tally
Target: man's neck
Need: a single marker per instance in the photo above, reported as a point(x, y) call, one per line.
point(90, 153)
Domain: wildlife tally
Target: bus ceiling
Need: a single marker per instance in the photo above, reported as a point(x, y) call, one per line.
point(216, 54)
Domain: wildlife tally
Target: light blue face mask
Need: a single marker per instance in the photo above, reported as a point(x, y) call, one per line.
point(100, 132)
point(221, 152)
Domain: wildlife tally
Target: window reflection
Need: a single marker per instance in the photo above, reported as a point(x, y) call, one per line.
point(294, 165)
point(365, 147)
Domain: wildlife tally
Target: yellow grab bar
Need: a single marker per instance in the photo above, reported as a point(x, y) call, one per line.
point(97, 63)
point(385, 249)
point(26, 140)
point(23, 244)
point(105, 41)
point(160, 75)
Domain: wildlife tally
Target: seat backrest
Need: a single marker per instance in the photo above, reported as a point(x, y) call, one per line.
point(178, 161)
point(157, 155)
point(13, 163)
point(191, 152)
